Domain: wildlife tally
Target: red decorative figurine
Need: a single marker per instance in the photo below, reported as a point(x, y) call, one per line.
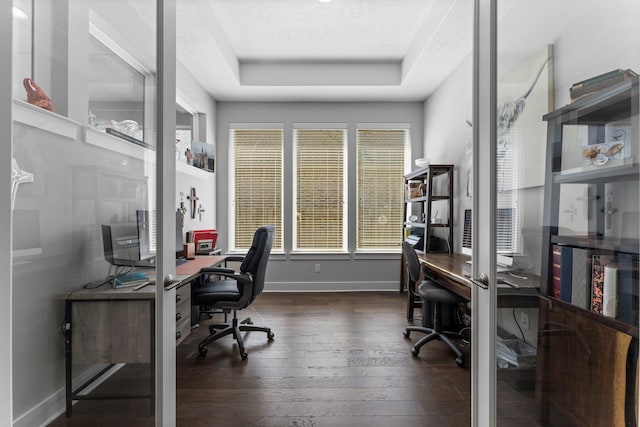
point(36, 96)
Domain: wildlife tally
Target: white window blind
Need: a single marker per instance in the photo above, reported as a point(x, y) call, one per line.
point(319, 189)
point(508, 179)
point(381, 154)
point(256, 184)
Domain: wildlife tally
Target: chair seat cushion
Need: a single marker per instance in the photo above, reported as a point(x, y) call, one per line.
point(214, 291)
point(431, 291)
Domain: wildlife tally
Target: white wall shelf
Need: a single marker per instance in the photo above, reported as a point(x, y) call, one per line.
point(39, 118)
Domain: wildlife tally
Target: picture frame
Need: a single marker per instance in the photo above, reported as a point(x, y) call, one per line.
point(203, 155)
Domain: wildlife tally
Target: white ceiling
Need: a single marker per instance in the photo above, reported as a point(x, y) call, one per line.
point(305, 50)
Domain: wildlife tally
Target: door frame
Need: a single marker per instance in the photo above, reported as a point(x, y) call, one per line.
point(165, 204)
point(6, 154)
point(484, 291)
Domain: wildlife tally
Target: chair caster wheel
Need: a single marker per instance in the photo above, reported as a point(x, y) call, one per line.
point(202, 350)
point(244, 355)
point(406, 334)
point(270, 336)
point(414, 352)
point(460, 362)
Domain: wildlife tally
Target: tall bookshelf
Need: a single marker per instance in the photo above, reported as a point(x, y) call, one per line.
point(588, 329)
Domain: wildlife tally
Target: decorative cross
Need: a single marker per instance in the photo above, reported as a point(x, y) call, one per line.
point(194, 200)
point(200, 211)
point(182, 209)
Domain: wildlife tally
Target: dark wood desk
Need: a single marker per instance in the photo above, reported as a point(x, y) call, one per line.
point(107, 326)
point(453, 271)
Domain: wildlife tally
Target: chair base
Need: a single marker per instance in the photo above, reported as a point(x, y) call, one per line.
point(219, 331)
point(435, 334)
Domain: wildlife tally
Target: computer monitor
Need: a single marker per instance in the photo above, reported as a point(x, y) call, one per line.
point(503, 239)
point(147, 234)
point(121, 245)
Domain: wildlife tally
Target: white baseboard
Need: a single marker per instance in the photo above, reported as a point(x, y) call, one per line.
point(364, 286)
point(55, 405)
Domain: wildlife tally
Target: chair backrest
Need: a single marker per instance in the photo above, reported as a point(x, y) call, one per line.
point(413, 265)
point(255, 261)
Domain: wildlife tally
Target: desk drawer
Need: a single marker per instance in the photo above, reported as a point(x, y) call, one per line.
point(112, 331)
point(183, 312)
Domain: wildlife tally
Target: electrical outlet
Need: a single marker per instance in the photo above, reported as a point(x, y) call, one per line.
point(524, 320)
point(317, 269)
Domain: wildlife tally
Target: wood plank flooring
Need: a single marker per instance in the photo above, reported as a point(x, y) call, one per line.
point(338, 360)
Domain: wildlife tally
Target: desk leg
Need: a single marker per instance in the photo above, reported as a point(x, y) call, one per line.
point(67, 357)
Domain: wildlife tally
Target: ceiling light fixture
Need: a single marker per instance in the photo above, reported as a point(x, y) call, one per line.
point(324, 1)
point(19, 13)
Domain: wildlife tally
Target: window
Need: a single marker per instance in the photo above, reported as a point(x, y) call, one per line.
point(319, 187)
point(255, 183)
point(381, 160)
point(508, 196)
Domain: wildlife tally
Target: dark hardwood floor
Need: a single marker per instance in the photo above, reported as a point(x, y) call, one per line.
point(338, 360)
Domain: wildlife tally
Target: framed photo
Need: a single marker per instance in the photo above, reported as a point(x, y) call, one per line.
point(203, 155)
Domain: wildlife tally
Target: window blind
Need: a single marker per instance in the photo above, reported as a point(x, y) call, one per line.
point(319, 189)
point(256, 157)
point(381, 154)
point(508, 179)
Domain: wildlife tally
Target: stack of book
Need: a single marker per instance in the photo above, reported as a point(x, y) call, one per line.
point(130, 279)
point(597, 83)
point(606, 284)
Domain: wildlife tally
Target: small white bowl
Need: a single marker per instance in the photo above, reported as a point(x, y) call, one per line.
point(422, 162)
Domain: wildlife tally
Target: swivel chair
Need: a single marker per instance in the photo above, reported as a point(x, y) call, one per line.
point(236, 290)
point(430, 293)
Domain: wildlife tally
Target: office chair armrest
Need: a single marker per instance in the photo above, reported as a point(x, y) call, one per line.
point(217, 270)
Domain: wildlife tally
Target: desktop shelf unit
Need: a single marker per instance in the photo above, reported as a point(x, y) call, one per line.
point(588, 348)
point(428, 195)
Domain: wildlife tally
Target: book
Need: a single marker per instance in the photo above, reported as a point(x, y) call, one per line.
point(602, 81)
point(598, 264)
point(610, 291)
point(581, 277)
point(130, 279)
point(556, 263)
point(628, 288)
point(566, 273)
point(128, 138)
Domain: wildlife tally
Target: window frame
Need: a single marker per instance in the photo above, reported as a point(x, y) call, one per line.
point(278, 244)
point(406, 168)
point(295, 249)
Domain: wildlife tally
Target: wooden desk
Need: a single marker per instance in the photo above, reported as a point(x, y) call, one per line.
point(453, 271)
point(108, 326)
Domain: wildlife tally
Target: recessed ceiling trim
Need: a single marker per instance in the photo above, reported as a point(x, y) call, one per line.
point(320, 74)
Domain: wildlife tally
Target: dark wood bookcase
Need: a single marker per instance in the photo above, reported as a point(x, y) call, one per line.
point(588, 357)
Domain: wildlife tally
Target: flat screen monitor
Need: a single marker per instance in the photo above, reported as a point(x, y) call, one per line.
point(504, 235)
point(147, 234)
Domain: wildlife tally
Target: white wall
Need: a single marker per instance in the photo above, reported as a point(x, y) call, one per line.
point(291, 272)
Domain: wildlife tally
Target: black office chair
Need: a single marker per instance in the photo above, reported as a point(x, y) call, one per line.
point(237, 290)
point(430, 293)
